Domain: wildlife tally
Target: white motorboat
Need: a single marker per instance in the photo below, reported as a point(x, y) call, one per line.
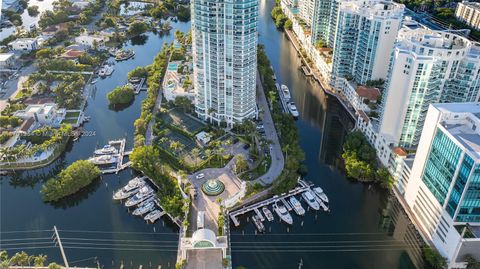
point(258, 223)
point(293, 109)
point(310, 199)
point(106, 70)
point(268, 214)
point(143, 194)
point(144, 208)
point(286, 93)
point(106, 150)
point(319, 192)
point(94, 81)
point(130, 189)
point(297, 206)
point(103, 159)
point(282, 212)
point(154, 215)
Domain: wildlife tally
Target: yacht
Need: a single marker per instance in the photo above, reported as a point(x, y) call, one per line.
point(268, 214)
point(293, 109)
point(106, 70)
point(258, 223)
point(103, 159)
point(319, 192)
point(282, 212)
point(297, 206)
point(310, 199)
point(106, 150)
point(144, 208)
point(285, 93)
point(122, 55)
point(153, 216)
point(143, 194)
point(130, 189)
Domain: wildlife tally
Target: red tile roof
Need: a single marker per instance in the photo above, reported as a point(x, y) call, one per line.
point(400, 151)
point(368, 92)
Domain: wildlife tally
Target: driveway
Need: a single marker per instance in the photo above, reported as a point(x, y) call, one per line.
point(14, 85)
point(271, 134)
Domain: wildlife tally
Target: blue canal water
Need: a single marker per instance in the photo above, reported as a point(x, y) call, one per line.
point(114, 236)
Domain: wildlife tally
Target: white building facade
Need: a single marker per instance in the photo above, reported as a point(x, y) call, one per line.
point(444, 186)
point(469, 13)
point(364, 38)
point(224, 46)
point(427, 67)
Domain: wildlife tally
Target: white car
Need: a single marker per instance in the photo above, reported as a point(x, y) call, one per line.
point(200, 176)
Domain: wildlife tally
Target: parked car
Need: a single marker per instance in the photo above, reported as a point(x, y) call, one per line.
point(200, 176)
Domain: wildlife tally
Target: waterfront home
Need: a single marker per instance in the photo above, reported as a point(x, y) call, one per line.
point(7, 60)
point(24, 44)
point(173, 83)
point(71, 54)
point(46, 114)
point(91, 40)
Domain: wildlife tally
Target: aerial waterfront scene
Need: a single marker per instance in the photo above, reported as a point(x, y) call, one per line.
point(239, 134)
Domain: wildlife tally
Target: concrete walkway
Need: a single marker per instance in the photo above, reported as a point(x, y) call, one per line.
point(276, 154)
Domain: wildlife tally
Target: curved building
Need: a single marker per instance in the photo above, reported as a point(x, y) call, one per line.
point(427, 67)
point(224, 44)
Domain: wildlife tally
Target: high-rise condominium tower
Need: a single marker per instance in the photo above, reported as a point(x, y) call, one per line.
point(427, 67)
point(225, 59)
point(364, 38)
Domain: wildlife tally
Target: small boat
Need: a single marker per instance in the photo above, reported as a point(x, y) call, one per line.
point(154, 215)
point(319, 192)
point(282, 212)
point(106, 150)
point(285, 93)
point(112, 51)
point(268, 214)
point(143, 194)
point(134, 80)
point(310, 199)
point(130, 189)
point(297, 206)
point(103, 159)
point(143, 209)
point(106, 70)
point(122, 55)
point(93, 81)
point(293, 109)
point(258, 223)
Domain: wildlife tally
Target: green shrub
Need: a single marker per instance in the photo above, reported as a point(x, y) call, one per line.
point(121, 95)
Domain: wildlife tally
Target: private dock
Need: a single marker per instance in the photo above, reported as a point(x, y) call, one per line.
point(304, 186)
point(139, 87)
point(306, 70)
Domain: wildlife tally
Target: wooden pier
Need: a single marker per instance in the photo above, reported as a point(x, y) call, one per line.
point(254, 207)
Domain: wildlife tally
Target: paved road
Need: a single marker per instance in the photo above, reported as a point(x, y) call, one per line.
point(12, 85)
point(149, 132)
point(271, 133)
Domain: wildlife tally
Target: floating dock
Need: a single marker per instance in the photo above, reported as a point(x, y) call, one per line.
point(254, 207)
point(138, 87)
point(119, 165)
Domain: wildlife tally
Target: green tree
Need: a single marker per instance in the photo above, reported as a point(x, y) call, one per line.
point(288, 24)
point(121, 95)
point(39, 260)
point(433, 258)
point(33, 11)
point(137, 28)
point(75, 177)
point(240, 163)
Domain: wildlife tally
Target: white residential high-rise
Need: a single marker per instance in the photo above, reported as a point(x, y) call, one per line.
point(307, 10)
point(427, 67)
point(225, 59)
point(443, 191)
point(364, 38)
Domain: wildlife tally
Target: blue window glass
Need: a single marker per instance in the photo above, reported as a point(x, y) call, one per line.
point(470, 206)
point(441, 164)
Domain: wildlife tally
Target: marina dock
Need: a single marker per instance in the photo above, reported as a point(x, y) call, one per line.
point(119, 165)
point(139, 87)
point(303, 186)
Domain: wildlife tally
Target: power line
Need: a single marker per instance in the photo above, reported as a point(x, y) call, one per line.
point(25, 239)
point(25, 231)
point(93, 231)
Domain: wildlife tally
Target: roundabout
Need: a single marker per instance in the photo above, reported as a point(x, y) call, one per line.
point(213, 187)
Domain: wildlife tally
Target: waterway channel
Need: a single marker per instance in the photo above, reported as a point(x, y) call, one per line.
point(360, 213)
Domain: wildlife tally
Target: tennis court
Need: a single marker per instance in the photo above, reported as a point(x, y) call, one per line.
point(184, 150)
point(182, 121)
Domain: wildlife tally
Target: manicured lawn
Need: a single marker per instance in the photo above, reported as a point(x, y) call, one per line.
point(72, 114)
point(70, 121)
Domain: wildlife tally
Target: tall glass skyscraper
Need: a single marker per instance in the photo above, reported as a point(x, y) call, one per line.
point(444, 187)
point(225, 59)
point(427, 67)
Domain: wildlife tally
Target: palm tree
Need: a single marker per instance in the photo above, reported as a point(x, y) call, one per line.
point(208, 153)
point(195, 154)
point(286, 149)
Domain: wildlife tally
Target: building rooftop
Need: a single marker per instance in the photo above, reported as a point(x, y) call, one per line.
point(5, 56)
point(475, 5)
point(462, 121)
point(370, 93)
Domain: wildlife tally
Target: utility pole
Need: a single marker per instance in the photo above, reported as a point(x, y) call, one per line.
point(57, 237)
point(300, 264)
